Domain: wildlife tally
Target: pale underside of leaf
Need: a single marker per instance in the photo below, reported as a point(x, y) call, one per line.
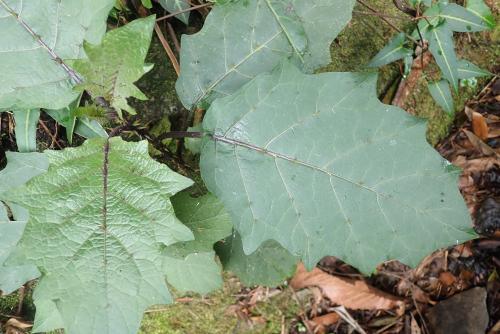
point(255, 36)
point(333, 175)
point(103, 227)
point(36, 38)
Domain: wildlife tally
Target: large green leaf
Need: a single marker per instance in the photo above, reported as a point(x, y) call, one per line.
point(35, 36)
point(244, 38)
point(20, 168)
point(318, 164)
point(269, 265)
point(100, 219)
point(113, 66)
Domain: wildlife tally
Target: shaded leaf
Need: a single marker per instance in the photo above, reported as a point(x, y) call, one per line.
point(113, 66)
point(254, 37)
point(441, 93)
point(66, 117)
point(13, 276)
point(101, 217)
point(207, 219)
point(21, 167)
point(395, 50)
point(89, 128)
point(269, 265)
point(322, 171)
point(31, 78)
point(351, 293)
point(173, 6)
point(26, 125)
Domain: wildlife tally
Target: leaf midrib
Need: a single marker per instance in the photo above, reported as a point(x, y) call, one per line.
point(71, 73)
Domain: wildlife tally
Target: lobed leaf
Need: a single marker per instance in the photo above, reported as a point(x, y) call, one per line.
point(253, 37)
point(303, 160)
point(36, 36)
point(113, 66)
point(102, 219)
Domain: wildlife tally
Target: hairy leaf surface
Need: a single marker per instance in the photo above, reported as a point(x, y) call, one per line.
point(318, 164)
point(35, 37)
point(101, 218)
point(113, 66)
point(253, 37)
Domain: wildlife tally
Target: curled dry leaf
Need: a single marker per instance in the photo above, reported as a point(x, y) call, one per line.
point(15, 326)
point(350, 293)
point(479, 124)
point(322, 322)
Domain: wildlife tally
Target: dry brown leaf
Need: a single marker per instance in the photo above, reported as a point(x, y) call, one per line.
point(479, 144)
point(350, 293)
point(447, 278)
point(15, 326)
point(320, 324)
point(479, 125)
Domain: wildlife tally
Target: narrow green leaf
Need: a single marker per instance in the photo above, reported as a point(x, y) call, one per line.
point(173, 6)
point(467, 70)
point(395, 50)
point(479, 8)
point(269, 265)
point(32, 35)
point(441, 93)
point(147, 4)
point(90, 128)
point(113, 66)
point(462, 20)
point(253, 37)
point(101, 218)
point(322, 171)
point(26, 125)
point(442, 48)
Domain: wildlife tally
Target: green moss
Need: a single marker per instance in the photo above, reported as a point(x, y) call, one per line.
point(210, 315)
point(8, 304)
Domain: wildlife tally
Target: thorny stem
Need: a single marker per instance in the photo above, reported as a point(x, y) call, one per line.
point(72, 74)
point(180, 134)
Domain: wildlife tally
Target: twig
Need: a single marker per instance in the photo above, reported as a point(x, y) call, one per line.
point(46, 129)
point(179, 134)
point(173, 36)
point(380, 15)
point(183, 11)
point(168, 49)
